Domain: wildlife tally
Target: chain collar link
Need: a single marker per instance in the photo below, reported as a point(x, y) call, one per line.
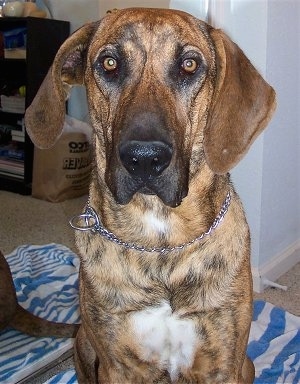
point(89, 221)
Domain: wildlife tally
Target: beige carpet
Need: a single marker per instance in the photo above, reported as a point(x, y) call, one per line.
point(25, 220)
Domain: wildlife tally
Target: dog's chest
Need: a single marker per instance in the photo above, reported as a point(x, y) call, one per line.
point(165, 339)
point(153, 223)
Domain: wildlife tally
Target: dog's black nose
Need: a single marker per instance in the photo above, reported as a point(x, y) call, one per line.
point(145, 159)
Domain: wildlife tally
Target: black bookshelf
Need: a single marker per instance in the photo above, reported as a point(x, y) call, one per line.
point(44, 37)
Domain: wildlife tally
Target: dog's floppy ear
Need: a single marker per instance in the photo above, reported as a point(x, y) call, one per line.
point(242, 106)
point(45, 116)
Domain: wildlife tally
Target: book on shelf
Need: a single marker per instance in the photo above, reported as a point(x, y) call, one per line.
point(15, 153)
point(15, 53)
point(12, 150)
point(11, 174)
point(17, 135)
point(13, 104)
point(10, 133)
point(11, 167)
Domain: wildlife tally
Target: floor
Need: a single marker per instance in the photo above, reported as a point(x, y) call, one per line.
point(26, 220)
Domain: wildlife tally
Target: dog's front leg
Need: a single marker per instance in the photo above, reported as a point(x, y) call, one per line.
point(85, 358)
point(248, 371)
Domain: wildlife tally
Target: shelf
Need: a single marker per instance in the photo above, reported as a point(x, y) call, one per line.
point(10, 60)
point(13, 184)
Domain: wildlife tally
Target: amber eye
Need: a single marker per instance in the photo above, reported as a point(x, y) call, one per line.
point(110, 64)
point(189, 65)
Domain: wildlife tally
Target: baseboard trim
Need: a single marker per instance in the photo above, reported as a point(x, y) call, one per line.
point(275, 267)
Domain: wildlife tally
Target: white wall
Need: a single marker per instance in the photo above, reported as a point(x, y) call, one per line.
point(245, 22)
point(280, 229)
point(104, 5)
point(78, 12)
point(268, 177)
point(281, 171)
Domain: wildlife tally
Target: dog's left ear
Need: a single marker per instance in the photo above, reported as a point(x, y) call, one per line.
point(242, 106)
point(45, 117)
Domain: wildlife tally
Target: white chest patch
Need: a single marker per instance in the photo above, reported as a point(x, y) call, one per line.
point(153, 223)
point(164, 338)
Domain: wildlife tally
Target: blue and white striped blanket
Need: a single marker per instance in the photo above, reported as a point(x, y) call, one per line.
point(46, 282)
point(274, 345)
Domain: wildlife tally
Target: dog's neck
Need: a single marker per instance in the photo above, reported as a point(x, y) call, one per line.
point(89, 221)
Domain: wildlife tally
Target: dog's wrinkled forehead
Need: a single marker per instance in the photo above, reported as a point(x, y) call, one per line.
point(165, 34)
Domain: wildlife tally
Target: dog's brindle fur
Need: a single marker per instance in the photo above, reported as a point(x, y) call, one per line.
point(161, 76)
point(12, 314)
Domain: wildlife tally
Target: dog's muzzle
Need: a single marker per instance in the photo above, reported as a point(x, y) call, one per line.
point(145, 160)
point(147, 167)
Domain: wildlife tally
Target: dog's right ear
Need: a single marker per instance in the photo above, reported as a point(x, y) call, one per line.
point(45, 116)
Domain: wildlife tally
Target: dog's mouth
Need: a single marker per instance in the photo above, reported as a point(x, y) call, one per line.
point(146, 191)
point(167, 188)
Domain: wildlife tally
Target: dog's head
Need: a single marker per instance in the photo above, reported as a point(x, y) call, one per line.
point(165, 93)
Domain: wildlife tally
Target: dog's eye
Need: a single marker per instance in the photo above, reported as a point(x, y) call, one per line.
point(110, 64)
point(189, 66)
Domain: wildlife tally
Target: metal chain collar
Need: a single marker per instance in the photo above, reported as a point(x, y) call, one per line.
point(91, 222)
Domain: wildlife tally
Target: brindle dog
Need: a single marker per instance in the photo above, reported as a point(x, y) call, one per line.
point(165, 281)
point(15, 316)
